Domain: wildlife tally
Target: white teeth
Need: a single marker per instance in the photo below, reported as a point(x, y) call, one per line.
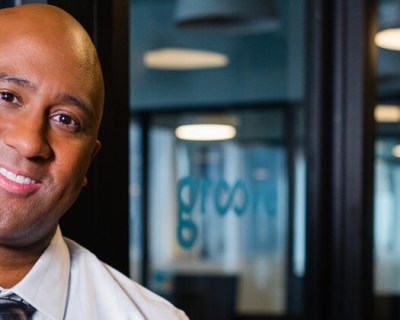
point(16, 178)
point(11, 176)
point(28, 181)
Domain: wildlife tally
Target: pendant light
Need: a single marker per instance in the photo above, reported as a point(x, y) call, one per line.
point(388, 36)
point(239, 15)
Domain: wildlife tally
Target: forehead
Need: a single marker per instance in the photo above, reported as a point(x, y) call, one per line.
point(46, 41)
point(42, 37)
point(56, 60)
point(30, 53)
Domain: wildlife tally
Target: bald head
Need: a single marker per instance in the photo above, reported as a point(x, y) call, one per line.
point(62, 38)
point(51, 102)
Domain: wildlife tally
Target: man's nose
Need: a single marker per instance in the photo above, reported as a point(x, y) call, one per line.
point(28, 136)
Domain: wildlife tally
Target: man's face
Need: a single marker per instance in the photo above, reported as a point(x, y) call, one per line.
point(49, 118)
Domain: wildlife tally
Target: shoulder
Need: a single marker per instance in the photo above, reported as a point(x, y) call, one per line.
point(121, 295)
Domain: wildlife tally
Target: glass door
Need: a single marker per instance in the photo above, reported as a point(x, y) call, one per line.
point(220, 211)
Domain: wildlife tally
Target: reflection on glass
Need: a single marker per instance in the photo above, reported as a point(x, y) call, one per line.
point(387, 218)
point(299, 229)
point(221, 208)
point(135, 201)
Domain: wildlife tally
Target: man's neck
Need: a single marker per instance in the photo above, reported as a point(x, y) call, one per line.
point(10, 275)
point(15, 263)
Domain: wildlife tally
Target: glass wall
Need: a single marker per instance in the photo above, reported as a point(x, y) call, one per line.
point(387, 169)
point(217, 100)
point(222, 208)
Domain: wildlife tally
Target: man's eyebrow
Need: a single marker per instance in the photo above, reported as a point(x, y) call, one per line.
point(67, 98)
point(17, 80)
point(70, 99)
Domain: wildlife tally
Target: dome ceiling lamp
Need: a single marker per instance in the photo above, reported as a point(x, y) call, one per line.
point(205, 132)
point(388, 36)
point(230, 15)
point(184, 59)
point(207, 128)
point(387, 113)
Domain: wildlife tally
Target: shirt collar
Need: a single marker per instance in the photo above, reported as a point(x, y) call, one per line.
point(45, 287)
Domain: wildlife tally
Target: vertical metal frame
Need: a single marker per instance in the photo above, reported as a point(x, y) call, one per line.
point(294, 116)
point(341, 139)
point(353, 136)
point(145, 124)
point(318, 201)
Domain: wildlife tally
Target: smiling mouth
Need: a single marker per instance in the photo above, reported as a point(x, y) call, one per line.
point(16, 178)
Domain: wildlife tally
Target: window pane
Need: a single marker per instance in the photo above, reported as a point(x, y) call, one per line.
point(224, 216)
point(387, 178)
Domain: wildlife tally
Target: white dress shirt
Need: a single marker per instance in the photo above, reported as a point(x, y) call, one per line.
point(69, 282)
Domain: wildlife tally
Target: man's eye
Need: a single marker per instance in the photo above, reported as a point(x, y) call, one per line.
point(9, 97)
point(66, 120)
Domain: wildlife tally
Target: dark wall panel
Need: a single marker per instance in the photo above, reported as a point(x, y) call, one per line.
point(99, 219)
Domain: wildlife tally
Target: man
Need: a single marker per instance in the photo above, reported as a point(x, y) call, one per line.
point(51, 100)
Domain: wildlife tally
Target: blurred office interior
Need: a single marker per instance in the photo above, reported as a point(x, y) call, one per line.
point(250, 165)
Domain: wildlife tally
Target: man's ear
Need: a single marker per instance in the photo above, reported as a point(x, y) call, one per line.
point(95, 150)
